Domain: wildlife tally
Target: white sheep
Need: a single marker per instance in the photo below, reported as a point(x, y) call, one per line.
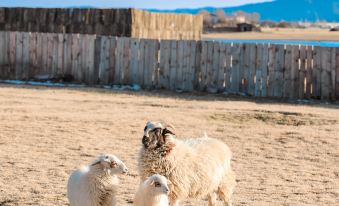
point(96, 184)
point(152, 192)
point(196, 167)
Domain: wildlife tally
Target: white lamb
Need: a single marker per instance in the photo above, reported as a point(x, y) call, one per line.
point(152, 192)
point(96, 184)
point(196, 167)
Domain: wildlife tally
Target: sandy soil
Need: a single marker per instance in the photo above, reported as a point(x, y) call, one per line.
point(284, 154)
point(280, 34)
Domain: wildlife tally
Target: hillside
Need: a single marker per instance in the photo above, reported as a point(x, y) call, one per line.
point(288, 10)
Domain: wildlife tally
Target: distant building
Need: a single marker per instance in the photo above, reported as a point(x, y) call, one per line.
point(244, 27)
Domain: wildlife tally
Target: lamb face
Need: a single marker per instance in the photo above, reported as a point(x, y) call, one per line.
point(158, 184)
point(111, 162)
point(155, 135)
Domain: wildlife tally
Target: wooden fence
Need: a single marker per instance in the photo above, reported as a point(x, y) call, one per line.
point(261, 70)
point(112, 22)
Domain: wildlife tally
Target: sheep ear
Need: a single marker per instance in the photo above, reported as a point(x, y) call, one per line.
point(169, 129)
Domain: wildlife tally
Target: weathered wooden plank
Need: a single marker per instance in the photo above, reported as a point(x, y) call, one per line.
point(209, 66)
point(25, 56)
point(164, 72)
point(264, 63)
point(294, 72)
point(104, 69)
point(154, 63)
point(173, 64)
point(75, 56)
point(235, 75)
point(134, 60)
point(287, 72)
point(203, 67)
point(302, 72)
point(228, 67)
point(271, 69)
point(337, 74)
point(126, 62)
point(18, 56)
point(141, 65)
point(60, 54)
point(221, 68)
point(279, 68)
point(252, 69)
point(112, 54)
point(186, 65)
point(97, 57)
point(3, 69)
point(67, 53)
point(316, 72)
point(245, 61)
point(325, 73)
point(180, 66)
point(5, 66)
point(197, 66)
point(213, 74)
point(90, 55)
point(147, 62)
point(259, 71)
point(309, 66)
point(191, 65)
point(333, 73)
point(54, 55)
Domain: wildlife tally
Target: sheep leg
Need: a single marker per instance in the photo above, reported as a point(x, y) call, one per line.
point(212, 199)
point(225, 189)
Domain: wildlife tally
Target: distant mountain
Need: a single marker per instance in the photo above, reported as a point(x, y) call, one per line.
point(287, 10)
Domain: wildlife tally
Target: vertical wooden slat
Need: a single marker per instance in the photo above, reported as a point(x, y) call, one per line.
point(134, 60)
point(126, 61)
point(83, 58)
point(197, 66)
point(337, 74)
point(25, 56)
point(3, 69)
point(287, 72)
point(18, 56)
point(259, 71)
point(180, 66)
point(245, 65)
point(264, 92)
point(6, 64)
point(164, 72)
point(316, 72)
point(97, 57)
point(309, 71)
point(119, 60)
point(147, 78)
point(173, 65)
point(228, 67)
point(235, 67)
point(192, 65)
point(113, 58)
point(294, 73)
point(252, 68)
point(155, 63)
point(222, 68)
point(142, 47)
point(75, 56)
point(203, 65)
point(104, 69)
point(333, 73)
point(279, 68)
point(50, 50)
point(209, 65)
point(186, 65)
point(302, 72)
point(54, 67)
point(60, 54)
point(213, 77)
point(271, 69)
point(325, 73)
point(67, 60)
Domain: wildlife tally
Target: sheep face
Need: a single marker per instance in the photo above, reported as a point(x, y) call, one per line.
point(111, 162)
point(158, 184)
point(155, 135)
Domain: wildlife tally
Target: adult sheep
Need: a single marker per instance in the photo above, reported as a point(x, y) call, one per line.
point(196, 167)
point(96, 184)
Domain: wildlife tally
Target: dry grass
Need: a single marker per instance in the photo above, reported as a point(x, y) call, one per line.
point(284, 154)
point(280, 34)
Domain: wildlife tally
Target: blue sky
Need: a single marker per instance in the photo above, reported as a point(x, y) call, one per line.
point(157, 4)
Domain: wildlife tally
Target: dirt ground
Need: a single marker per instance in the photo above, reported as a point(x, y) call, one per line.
point(284, 154)
point(279, 34)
